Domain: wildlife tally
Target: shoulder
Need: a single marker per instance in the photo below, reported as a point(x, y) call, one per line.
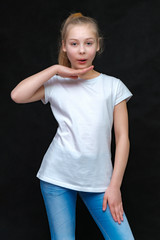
point(115, 85)
point(111, 81)
point(54, 81)
point(114, 81)
point(109, 77)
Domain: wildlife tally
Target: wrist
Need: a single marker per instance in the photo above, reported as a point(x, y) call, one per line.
point(55, 69)
point(115, 184)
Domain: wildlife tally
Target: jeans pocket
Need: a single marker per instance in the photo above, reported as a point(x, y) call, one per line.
point(52, 189)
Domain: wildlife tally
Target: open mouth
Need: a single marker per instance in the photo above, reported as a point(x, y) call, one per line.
point(82, 61)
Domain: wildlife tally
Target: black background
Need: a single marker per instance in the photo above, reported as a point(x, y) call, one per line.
point(29, 37)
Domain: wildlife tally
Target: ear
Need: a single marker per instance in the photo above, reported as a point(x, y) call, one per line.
point(98, 44)
point(63, 46)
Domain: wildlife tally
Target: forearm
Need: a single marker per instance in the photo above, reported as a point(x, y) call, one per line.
point(113, 193)
point(31, 88)
point(26, 88)
point(120, 162)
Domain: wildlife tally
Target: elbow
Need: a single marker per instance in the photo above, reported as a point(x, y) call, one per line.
point(14, 96)
point(124, 139)
point(128, 143)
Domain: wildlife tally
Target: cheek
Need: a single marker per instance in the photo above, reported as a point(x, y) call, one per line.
point(70, 53)
point(92, 53)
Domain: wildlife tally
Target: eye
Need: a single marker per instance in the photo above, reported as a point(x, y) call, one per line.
point(89, 43)
point(73, 43)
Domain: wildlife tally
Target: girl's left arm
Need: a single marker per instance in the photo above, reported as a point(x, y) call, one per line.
point(113, 193)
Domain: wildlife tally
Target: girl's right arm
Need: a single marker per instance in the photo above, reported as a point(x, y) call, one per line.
point(31, 89)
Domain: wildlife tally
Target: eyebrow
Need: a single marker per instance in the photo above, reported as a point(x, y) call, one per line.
point(90, 38)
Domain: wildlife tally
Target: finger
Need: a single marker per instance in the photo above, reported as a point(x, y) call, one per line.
point(121, 212)
point(104, 204)
point(119, 219)
point(76, 73)
point(73, 77)
point(87, 68)
point(82, 71)
point(118, 216)
point(122, 208)
point(122, 215)
point(114, 215)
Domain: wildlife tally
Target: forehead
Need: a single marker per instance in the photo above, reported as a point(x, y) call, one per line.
point(81, 30)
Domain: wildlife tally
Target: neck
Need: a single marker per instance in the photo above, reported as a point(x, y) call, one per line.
point(91, 74)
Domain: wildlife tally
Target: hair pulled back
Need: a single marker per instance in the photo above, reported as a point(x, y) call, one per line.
point(74, 19)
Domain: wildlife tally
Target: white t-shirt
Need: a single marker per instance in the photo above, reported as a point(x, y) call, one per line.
point(79, 157)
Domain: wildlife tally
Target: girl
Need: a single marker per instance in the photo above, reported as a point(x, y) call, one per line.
point(85, 104)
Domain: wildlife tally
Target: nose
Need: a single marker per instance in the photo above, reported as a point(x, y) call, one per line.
point(81, 49)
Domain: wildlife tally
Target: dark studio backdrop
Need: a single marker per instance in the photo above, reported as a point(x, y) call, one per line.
point(29, 41)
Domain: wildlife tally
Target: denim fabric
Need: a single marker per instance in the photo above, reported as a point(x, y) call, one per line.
point(60, 205)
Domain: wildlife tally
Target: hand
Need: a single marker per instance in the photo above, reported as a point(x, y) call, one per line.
point(70, 72)
point(113, 197)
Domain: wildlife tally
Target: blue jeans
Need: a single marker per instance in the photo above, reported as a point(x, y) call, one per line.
point(60, 205)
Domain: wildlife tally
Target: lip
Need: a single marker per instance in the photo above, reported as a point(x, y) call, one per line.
point(82, 61)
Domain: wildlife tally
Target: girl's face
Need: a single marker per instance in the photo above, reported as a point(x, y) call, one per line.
point(81, 45)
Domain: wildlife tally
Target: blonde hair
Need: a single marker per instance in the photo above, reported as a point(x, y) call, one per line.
point(76, 18)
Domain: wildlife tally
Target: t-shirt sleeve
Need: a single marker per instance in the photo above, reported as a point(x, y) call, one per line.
point(122, 93)
point(48, 88)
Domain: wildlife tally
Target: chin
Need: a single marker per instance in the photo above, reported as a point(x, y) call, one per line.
point(81, 66)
